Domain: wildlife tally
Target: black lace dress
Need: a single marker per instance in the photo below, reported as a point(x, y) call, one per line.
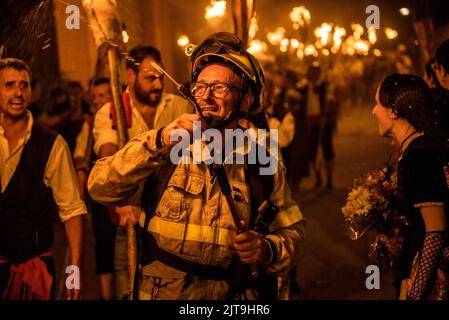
point(421, 182)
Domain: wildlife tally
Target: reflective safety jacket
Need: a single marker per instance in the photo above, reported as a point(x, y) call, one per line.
point(192, 219)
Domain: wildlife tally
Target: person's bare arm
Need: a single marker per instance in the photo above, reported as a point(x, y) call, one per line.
point(74, 230)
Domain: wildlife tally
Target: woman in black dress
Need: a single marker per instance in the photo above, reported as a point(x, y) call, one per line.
point(405, 113)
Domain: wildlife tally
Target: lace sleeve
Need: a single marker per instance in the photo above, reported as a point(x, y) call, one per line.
point(434, 244)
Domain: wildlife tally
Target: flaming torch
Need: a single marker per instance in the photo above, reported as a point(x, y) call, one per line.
point(372, 37)
point(339, 33)
point(105, 26)
point(300, 17)
point(323, 33)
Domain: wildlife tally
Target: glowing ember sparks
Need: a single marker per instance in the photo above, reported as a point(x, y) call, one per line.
point(372, 37)
point(216, 9)
point(358, 30)
point(275, 37)
point(183, 41)
point(323, 33)
point(325, 52)
point(257, 46)
point(300, 16)
point(377, 53)
point(391, 33)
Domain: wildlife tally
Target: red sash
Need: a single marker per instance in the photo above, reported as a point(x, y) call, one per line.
point(29, 280)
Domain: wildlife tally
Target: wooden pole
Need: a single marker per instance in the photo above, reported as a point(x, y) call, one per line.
point(242, 12)
point(122, 135)
point(105, 27)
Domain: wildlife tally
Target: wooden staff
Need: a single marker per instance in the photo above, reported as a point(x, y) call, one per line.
point(242, 12)
point(105, 26)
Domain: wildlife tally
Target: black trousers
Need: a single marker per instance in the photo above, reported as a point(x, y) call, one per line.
point(104, 233)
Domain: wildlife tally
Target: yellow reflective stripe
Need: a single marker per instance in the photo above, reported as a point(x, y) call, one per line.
point(191, 232)
point(286, 218)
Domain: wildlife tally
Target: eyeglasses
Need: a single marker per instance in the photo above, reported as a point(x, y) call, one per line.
point(218, 89)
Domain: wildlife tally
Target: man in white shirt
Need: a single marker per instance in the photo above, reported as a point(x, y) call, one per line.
point(37, 180)
point(147, 107)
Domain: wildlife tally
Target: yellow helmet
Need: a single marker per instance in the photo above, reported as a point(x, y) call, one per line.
point(228, 48)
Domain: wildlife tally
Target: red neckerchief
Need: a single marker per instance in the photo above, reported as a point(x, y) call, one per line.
point(127, 111)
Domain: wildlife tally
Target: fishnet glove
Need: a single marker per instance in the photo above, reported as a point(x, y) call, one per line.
point(445, 259)
point(434, 244)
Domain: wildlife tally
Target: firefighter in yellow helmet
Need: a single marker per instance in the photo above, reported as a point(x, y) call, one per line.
point(192, 245)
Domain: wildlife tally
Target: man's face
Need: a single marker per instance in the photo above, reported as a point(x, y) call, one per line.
point(219, 107)
point(15, 93)
point(384, 117)
point(441, 74)
point(101, 94)
point(148, 84)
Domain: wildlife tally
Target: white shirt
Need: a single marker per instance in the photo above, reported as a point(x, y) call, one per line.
point(59, 172)
point(169, 108)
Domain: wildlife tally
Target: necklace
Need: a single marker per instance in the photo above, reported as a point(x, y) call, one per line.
point(408, 137)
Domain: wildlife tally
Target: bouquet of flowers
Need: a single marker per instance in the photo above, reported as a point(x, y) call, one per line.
point(371, 204)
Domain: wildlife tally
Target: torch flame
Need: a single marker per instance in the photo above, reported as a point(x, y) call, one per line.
point(372, 37)
point(253, 27)
point(377, 53)
point(339, 32)
point(294, 43)
point(125, 36)
point(275, 37)
point(391, 33)
point(323, 33)
point(257, 46)
point(216, 9)
point(358, 30)
point(300, 16)
point(361, 46)
point(183, 41)
point(310, 50)
point(103, 21)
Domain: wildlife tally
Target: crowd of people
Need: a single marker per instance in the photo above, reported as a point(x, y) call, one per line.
point(65, 158)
